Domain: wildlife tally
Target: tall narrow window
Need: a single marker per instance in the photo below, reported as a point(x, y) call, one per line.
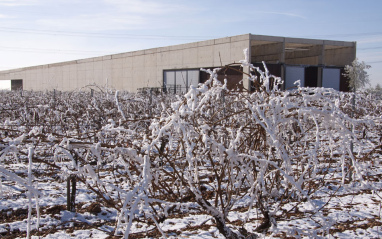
point(293, 74)
point(331, 78)
point(311, 76)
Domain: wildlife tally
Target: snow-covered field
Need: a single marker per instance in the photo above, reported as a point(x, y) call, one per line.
point(210, 164)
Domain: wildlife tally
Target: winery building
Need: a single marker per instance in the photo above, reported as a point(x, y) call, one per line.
point(316, 63)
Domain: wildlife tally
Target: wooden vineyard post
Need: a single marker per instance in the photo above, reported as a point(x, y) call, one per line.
point(71, 193)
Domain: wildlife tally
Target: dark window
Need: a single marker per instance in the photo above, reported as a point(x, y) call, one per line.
point(311, 75)
point(273, 69)
point(16, 84)
point(344, 81)
point(233, 74)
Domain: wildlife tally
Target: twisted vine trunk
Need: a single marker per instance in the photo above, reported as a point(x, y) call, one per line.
point(219, 218)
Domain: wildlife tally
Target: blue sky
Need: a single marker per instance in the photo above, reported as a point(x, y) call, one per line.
point(35, 32)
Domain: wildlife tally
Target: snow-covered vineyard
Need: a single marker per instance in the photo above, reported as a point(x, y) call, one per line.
point(213, 163)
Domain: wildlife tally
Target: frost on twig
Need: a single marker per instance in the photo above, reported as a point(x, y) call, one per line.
point(357, 74)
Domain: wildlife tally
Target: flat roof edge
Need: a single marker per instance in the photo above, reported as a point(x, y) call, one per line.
point(301, 40)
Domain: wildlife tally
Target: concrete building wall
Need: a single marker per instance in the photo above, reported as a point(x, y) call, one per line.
point(133, 70)
point(129, 71)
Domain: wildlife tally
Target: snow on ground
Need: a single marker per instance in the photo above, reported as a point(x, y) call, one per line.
point(352, 213)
